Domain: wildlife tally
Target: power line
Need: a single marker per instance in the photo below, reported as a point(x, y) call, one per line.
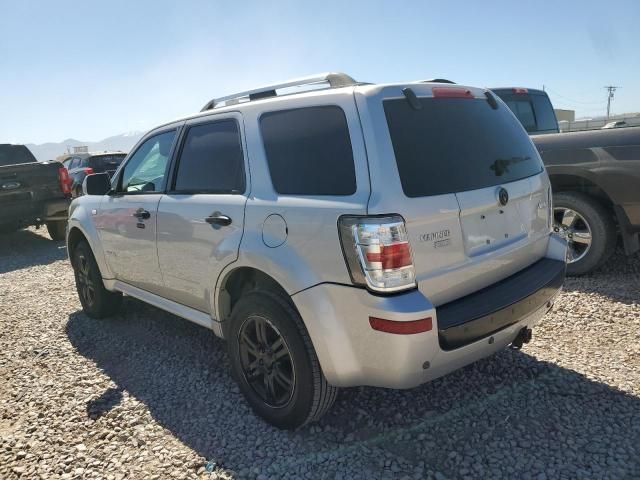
point(610, 89)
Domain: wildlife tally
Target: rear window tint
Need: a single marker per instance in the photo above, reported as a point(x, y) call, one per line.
point(453, 145)
point(523, 109)
point(545, 116)
point(106, 162)
point(14, 154)
point(309, 151)
point(534, 110)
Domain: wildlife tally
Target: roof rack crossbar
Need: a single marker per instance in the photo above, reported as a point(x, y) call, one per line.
point(332, 79)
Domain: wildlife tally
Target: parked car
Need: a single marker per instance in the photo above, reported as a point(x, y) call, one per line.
point(358, 234)
point(596, 183)
point(595, 177)
point(616, 124)
point(32, 193)
point(81, 165)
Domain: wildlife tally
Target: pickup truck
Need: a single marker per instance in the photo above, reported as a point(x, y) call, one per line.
point(32, 192)
point(595, 177)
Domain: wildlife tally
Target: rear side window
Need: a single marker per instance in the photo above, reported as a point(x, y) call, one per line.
point(455, 144)
point(211, 160)
point(309, 151)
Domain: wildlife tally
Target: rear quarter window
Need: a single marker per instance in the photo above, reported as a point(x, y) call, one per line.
point(309, 151)
point(456, 144)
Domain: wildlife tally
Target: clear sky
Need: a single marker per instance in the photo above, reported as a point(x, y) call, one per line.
point(89, 69)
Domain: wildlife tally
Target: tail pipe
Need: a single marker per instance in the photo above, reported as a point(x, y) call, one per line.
point(524, 336)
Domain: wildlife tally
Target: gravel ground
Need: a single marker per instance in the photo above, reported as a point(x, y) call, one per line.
point(148, 395)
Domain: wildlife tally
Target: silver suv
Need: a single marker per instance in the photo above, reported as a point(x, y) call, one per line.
point(335, 233)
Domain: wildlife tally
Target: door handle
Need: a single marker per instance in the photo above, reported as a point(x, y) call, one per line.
point(141, 214)
point(218, 218)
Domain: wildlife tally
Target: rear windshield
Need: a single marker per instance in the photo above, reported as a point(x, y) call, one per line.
point(457, 144)
point(106, 162)
point(13, 154)
point(534, 111)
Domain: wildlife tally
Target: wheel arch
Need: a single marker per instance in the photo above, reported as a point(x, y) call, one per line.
point(566, 182)
point(74, 237)
point(81, 226)
point(239, 280)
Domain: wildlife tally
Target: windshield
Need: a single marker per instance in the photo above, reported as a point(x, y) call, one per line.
point(453, 145)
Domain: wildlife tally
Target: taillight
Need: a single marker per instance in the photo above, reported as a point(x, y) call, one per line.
point(451, 92)
point(88, 171)
point(520, 91)
point(64, 180)
point(377, 252)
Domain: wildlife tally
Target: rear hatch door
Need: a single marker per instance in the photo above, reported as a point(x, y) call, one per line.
point(472, 187)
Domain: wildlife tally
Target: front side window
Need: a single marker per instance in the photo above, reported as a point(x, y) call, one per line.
point(309, 151)
point(211, 160)
point(145, 171)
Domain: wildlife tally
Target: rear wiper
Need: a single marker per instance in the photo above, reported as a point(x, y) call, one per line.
point(411, 97)
point(491, 99)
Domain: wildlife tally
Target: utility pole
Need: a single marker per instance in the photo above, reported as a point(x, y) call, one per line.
point(610, 89)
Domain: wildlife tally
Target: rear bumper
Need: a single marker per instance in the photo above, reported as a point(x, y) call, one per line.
point(352, 353)
point(505, 303)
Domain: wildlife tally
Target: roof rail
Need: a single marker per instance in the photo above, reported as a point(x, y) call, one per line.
point(332, 79)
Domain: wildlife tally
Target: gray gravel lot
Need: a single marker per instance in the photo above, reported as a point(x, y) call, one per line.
point(148, 395)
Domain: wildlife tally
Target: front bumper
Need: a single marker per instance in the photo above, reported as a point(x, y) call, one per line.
point(352, 353)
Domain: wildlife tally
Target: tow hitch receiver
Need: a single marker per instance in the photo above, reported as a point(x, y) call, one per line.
point(524, 336)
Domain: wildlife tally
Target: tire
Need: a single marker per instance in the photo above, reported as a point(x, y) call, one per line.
point(309, 395)
point(57, 230)
point(599, 223)
point(97, 301)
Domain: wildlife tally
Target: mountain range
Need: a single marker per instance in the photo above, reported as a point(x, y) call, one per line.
point(49, 151)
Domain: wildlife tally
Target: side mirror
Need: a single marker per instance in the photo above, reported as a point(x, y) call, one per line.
point(96, 184)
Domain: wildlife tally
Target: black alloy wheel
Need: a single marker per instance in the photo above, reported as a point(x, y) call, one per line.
point(266, 361)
